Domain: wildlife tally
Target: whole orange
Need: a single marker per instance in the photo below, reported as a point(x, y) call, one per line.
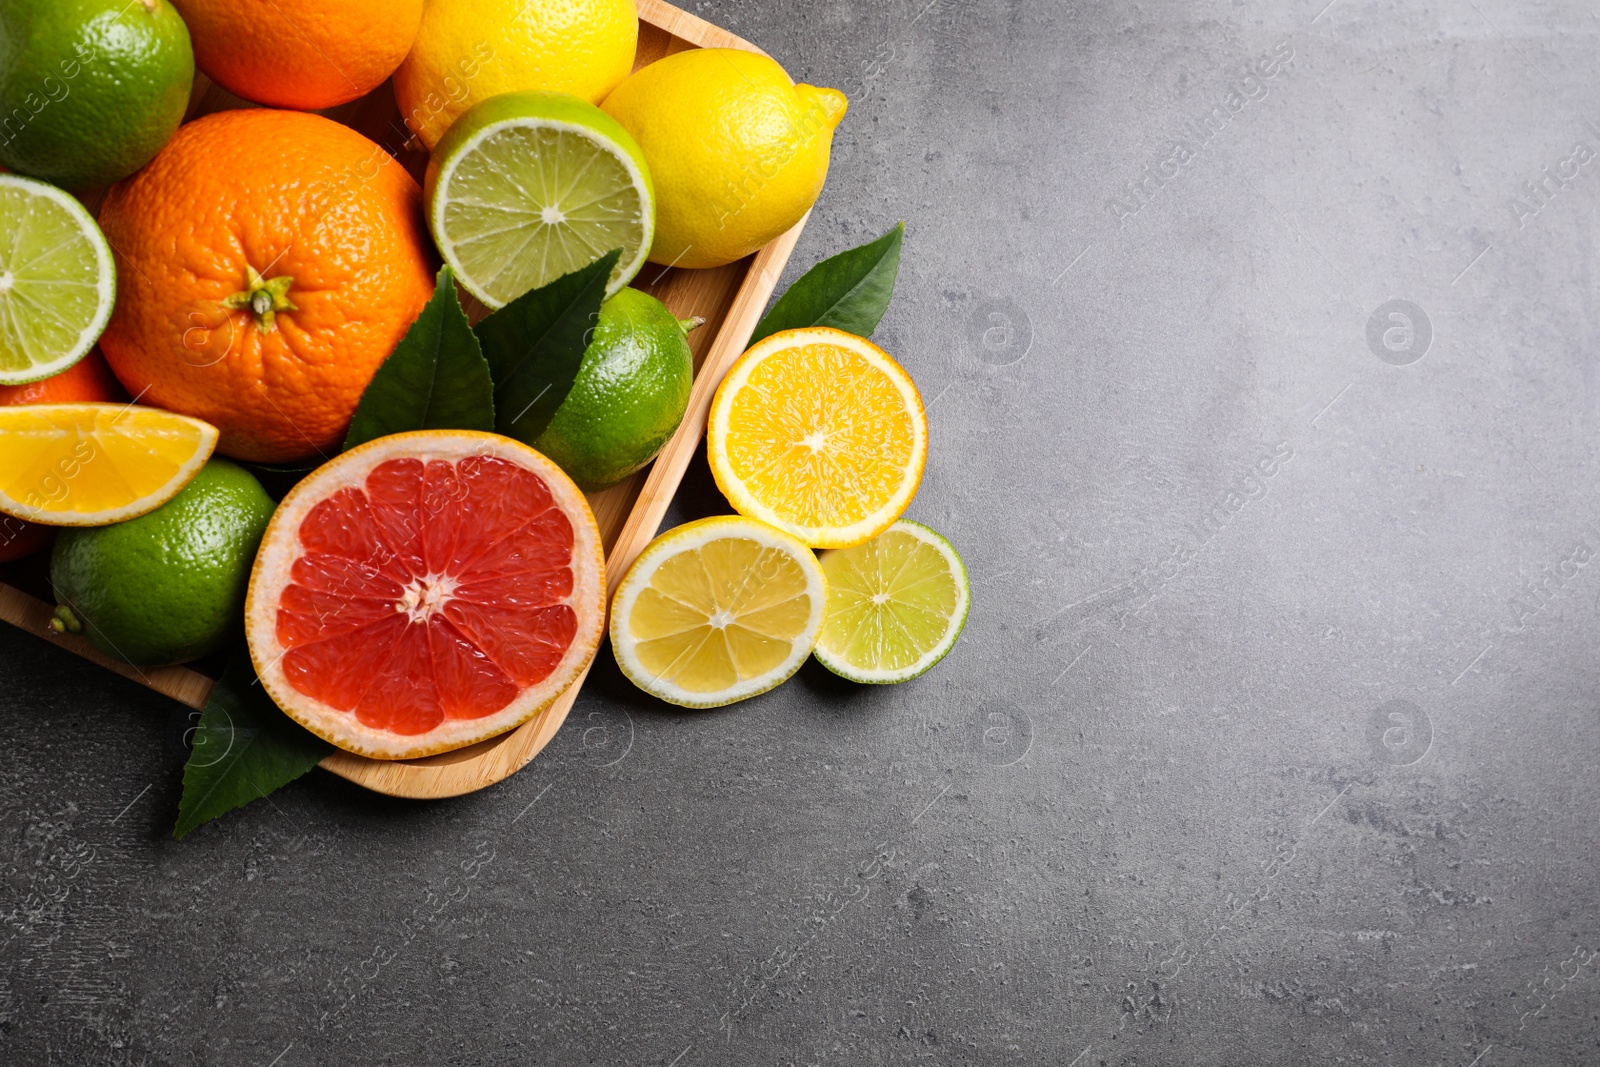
point(268, 262)
point(19, 539)
point(305, 54)
point(87, 381)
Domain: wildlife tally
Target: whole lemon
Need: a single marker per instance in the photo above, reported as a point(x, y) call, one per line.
point(738, 152)
point(470, 50)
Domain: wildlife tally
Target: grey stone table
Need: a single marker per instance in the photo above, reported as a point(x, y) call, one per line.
point(1259, 348)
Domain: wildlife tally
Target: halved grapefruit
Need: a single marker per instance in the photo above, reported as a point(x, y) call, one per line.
point(426, 591)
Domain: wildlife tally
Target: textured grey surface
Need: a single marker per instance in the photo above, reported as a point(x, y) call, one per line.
point(1271, 737)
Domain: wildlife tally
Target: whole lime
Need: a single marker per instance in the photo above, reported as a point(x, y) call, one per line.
point(168, 586)
point(90, 89)
point(629, 396)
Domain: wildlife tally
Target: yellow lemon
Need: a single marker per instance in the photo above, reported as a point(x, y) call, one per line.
point(717, 611)
point(738, 152)
point(470, 50)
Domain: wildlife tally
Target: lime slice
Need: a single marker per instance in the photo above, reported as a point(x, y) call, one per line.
point(526, 187)
point(57, 281)
point(895, 605)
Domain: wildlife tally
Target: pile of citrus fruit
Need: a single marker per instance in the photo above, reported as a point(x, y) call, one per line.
point(248, 273)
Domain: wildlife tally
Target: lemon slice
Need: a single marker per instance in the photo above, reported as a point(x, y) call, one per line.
point(717, 611)
point(526, 187)
point(820, 433)
point(96, 464)
point(57, 281)
point(895, 605)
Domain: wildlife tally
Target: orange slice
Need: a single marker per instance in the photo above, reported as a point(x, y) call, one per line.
point(819, 433)
point(96, 464)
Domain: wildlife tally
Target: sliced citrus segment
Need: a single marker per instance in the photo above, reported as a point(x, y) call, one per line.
point(820, 433)
point(95, 464)
point(717, 611)
point(895, 605)
point(57, 281)
point(526, 187)
point(426, 591)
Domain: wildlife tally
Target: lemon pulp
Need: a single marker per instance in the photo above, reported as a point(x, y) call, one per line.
point(717, 611)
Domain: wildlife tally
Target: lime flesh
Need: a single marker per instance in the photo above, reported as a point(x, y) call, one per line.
point(526, 187)
point(896, 605)
point(57, 281)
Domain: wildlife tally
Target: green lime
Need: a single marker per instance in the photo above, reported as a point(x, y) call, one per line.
point(168, 586)
point(90, 89)
point(630, 394)
point(57, 281)
point(526, 187)
point(896, 605)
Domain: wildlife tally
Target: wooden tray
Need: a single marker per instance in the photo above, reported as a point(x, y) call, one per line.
point(730, 299)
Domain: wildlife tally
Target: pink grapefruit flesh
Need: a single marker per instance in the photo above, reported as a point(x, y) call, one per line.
point(426, 591)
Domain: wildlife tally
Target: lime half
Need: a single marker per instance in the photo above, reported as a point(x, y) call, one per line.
point(57, 281)
point(895, 605)
point(526, 187)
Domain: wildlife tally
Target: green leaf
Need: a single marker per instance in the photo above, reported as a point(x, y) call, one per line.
point(244, 748)
point(535, 345)
point(849, 291)
point(435, 379)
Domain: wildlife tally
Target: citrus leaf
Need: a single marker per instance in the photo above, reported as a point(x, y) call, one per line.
point(849, 291)
point(535, 345)
point(435, 379)
point(244, 748)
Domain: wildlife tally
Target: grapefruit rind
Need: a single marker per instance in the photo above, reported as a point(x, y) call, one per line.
point(57, 466)
point(749, 503)
point(689, 537)
point(280, 547)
